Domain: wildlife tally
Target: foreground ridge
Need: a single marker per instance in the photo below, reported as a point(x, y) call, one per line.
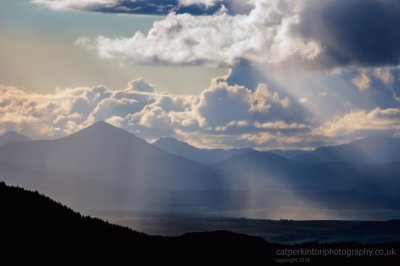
point(33, 224)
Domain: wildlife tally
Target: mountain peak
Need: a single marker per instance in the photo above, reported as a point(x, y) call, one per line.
point(11, 136)
point(13, 133)
point(103, 131)
point(102, 126)
point(171, 141)
point(167, 139)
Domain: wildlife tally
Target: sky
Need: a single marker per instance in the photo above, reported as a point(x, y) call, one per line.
point(290, 74)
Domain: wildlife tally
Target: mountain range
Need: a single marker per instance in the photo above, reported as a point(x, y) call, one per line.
point(205, 156)
point(368, 150)
point(104, 167)
point(12, 136)
point(100, 166)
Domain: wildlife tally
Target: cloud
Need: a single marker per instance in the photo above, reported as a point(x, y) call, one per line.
point(259, 103)
point(150, 7)
point(206, 3)
point(222, 109)
point(223, 103)
point(360, 123)
point(262, 36)
point(303, 100)
point(362, 81)
point(68, 110)
point(306, 33)
point(384, 75)
point(222, 115)
point(381, 80)
point(353, 32)
point(89, 5)
point(38, 115)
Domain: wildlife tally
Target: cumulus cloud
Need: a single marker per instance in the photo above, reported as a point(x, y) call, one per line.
point(223, 103)
point(220, 110)
point(262, 36)
point(38, 115)
point(312, 33)
point(360, 123)
point(68, 110)
point(238, 109)
point(222, 115)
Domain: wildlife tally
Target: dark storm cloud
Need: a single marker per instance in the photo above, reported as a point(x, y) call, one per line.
point(156, 7)
point(353, 32)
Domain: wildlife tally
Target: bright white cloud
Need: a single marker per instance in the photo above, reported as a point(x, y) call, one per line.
point(140, 108)
point(361, 122)
point(222, 115)
point(68, 110)
point(310, 33)
point(262, 36)
point(222, 104)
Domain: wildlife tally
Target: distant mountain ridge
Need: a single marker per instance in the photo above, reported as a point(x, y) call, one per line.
point(105, 167)
point(205, 156)
point(289, 154)
point(11, 136)
point(262, 170)
point(370, 150)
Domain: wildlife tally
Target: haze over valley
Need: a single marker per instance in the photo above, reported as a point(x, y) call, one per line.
point(106, 170)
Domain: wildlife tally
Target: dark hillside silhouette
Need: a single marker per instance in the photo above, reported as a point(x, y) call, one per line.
point(35, 228)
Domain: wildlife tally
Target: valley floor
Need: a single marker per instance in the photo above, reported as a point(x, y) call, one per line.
point(284, 231)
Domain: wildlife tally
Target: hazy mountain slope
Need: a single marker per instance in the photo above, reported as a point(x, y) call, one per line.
point(368, 150)
point(289, 154)
point(107, 168)
point(266, 170)
point(206, 156)
point(11, 136)
point(102, 164)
